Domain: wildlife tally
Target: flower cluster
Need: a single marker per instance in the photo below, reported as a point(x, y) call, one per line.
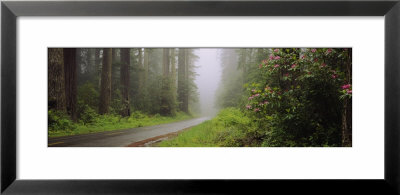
point(347, 88)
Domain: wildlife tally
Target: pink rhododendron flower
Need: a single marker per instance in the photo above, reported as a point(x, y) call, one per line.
point(334, 76)
point(256, 109)
point(266, 102)
point(302, 57)
point(329, 51)
point(251, 97)
point(313, 50)
point(293, 66)
point(276, 66)
point(286, 75)
point(271, 57)
point(277, 57)
point(276, 50)
point(349, 91)
point(248, 107)
point(323, 65)
point(256, 95)
point(346, 86)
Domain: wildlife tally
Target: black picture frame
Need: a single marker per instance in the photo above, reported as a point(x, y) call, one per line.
point(10, 10)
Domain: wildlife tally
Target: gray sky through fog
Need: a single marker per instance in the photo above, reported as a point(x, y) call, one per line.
point(209, 70)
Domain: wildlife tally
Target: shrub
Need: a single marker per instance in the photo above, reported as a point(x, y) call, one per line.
point(87, 115)
point(58, 121)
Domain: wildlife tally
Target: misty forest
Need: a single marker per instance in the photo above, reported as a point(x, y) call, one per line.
point(200, 97)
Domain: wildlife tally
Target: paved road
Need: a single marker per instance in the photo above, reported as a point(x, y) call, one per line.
point(120, 138)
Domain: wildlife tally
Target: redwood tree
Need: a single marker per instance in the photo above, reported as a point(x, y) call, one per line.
point(56, 84)
point(347, 106)
point(125, 61)
point(167, 98)
point(105, 86)
point(70, 73)
point(182, 80)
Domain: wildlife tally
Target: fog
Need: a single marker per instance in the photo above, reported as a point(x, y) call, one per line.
point(208, 79)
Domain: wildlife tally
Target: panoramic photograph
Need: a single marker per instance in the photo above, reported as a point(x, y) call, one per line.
point(199, 97)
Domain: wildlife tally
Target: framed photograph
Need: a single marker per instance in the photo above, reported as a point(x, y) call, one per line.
point(221, 97)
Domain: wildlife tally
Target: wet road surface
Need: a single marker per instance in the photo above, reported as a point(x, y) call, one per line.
point(121, 138)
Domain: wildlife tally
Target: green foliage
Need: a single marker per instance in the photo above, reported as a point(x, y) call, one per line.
point(272, 97)
point(87, 115)
point(116, 102)
point(299, 97)
point(168, 100)
point(88, 94)
point(59, 121)
point(231, 127)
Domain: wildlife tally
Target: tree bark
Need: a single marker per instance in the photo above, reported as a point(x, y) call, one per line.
point(186, 94)
point(165, 62)
point(165, 90)
point(115, 57)
point(181, 79)
point(56, 83)
point(146, 67)
point(125, 62)
point(173, 73)
point(347, 107)
point(98, 61)
point(70, 73)
point(140, 75)
point(346, 124)
point(105, 86)
point(92, 62)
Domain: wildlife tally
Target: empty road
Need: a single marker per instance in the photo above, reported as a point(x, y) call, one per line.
point(121, 138)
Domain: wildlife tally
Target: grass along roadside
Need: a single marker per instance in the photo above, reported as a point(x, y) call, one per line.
point(229, 128)
point(202, 135)
point(103, 123)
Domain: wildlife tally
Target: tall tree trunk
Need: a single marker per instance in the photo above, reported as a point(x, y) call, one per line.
point(347, 107)
point(97, 62)
point(92, 63)
point(105, 87)
point(165, 62)
point(173, 74)
point(146, 67)
point(140, 76)
point(182, 82)
point(70, 73)
point(115, 57)
point(125, 62)
point(56, 80)
point(165, 90)
point(186, 94)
